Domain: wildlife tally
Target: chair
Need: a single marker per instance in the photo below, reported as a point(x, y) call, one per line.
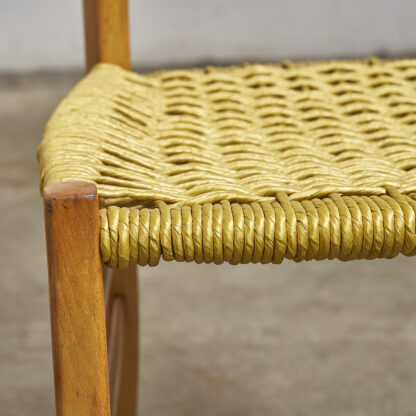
point(252, 163)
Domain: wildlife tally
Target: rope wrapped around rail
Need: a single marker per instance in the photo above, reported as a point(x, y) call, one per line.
point(343, 227)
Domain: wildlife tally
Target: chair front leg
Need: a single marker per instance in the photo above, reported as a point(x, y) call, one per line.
point(76, 300)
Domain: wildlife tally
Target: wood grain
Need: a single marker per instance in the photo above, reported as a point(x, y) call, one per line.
point(122, 302)
point(107, 32)
point(76, 300)
point(115, 345)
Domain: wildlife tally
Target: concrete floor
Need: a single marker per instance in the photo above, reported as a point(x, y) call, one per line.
point(327, 338)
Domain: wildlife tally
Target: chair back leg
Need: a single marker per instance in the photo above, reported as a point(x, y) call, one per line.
point(122, 312)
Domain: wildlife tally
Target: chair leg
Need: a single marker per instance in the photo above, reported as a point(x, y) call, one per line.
point(76, 300)
point(122, 311)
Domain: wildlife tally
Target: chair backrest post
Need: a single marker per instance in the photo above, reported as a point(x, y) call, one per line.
point(106, 32)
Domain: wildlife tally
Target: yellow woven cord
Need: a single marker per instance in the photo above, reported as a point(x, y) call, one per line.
point(244, 164)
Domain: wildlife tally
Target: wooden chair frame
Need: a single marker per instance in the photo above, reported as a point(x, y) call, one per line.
point(94, 318)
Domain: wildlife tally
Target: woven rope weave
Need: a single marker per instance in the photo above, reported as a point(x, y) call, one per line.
point(251, 163)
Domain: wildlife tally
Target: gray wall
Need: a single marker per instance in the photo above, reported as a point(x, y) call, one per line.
point(47, 34)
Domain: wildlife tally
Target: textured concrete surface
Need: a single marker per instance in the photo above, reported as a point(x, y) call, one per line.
point(327, 338)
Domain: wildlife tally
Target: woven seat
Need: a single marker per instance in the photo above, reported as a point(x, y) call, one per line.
point(244, 164)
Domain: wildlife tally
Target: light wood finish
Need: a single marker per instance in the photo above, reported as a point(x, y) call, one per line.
point(78, 313)
point(115, 343)
point(107, 32)
point(76, 300)
point(122, 310)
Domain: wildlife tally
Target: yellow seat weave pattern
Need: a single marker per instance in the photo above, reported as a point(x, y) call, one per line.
point(253, 163)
